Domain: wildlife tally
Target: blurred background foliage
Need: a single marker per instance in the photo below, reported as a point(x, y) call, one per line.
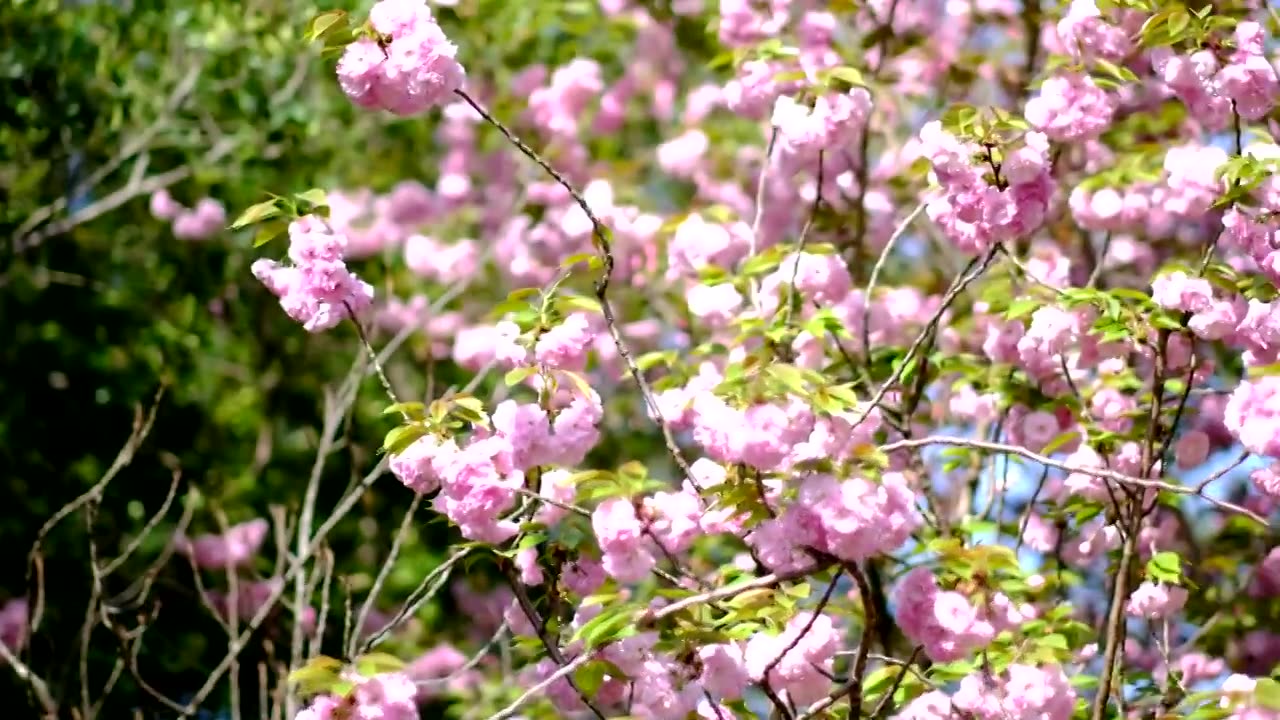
point(101, 304)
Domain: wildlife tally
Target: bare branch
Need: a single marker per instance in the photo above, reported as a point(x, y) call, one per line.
point(384, 572)
point(142, 424)
point(562, 673)
point(1050, 462)
point(119, 197)
point(38, 686)
point(137, 144)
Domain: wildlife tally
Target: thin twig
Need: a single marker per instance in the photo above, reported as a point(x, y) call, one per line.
point(474, 661)
point(141, 428)
point(1104, 473)
point(601, 237)
point(426, 589)
point(38, 686)
point(298, 563)
point(813, 619)
point(110, 202)
point(155, 519)
point(548, 642)
point(975, 269)
point(562, 673)
point(875, 274)
point(651, 616)
point(137, 144)
point(384, 572)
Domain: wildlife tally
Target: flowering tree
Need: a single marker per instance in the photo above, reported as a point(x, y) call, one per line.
point(924, 368)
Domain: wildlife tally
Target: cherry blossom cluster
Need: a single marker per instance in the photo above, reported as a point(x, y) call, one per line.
point(408, 67)
point(205, 220)
point(316, 288)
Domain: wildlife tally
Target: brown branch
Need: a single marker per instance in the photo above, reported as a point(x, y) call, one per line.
point(548, 642)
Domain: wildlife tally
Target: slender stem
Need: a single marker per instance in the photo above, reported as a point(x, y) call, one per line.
point(384, 572)
point(600, 236)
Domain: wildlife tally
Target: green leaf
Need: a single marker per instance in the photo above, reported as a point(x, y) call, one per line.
point(790, 377)
point(256, 214)
point(579, 382)
point(1115, 71)
point(523, 293)
point(614, 623)
point(851, 75)
point(762, 264)
point(474, 404)
point(800, 592)
point(377, 663)
point(402, 437)
point(579, 302)
point(269, 232)
point(600, 599)
point(325, 23)
point(317, 676)
point(650, 360)
point(515, 376)
point(313, 197)
point(415, 410)
point(880, 680)
point(1022, 308)
point(1267, 693)
point(572, 260)
point(1055, 641)
point(1165, 567)
point(756, 597)
point(590, 677)
point(1059, 442)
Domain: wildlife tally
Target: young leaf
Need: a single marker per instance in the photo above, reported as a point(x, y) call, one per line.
point(314, 197)
point(1165, 567)
point(515, 376)
point(325, 23)
point(402, 437)
point(256, 214)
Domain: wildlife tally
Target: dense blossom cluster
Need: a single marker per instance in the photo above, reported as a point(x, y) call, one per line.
point(983, 203)
point(316, 289)
point(408, 68)
point(1112, 327)
point(206, 219)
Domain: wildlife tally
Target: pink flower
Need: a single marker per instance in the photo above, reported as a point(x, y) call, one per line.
point(945, 623)
point(627, 557)
point(236, 547)
point(163, 206)
point(317, 290)
point(1253, 415)
point(1156, 600)
point(1070, 108)
point(1192, 449)
point(724, 672)
point(1086, 34)
point(15, 620)
point(793, 661)
point(416, 70)
point(565, 346)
